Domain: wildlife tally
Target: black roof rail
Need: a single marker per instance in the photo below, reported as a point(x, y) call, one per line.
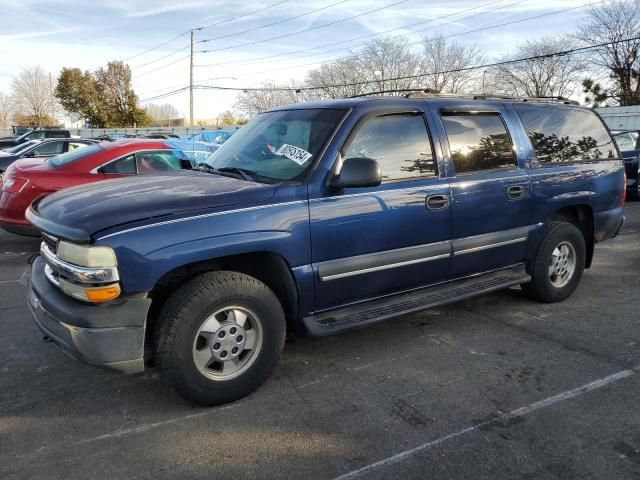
point(422, 93)
point(489, 96)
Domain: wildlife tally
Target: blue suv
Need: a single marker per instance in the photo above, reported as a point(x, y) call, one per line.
point(318, 218)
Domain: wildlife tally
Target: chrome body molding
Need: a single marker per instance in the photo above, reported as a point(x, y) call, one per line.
point(76, 273)
point(478, 243)
point(378, 261)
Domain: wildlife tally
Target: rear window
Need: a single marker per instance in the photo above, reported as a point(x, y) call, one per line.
point(564, 134)
point(77, 154)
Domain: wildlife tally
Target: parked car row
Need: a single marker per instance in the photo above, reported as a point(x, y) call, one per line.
point(314, 218)
point(34, 177)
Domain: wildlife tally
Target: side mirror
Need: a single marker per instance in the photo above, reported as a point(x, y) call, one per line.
point(358, 172)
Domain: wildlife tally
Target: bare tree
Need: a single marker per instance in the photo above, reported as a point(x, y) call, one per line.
point(161, 115)
point(270, 94)
point(388, 64)
point(339, 78)
point(32, 90)
point(613, 23)
point(6, 109)
point(542, 74)
point(446, 65)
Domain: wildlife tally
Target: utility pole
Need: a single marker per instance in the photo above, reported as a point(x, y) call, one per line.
point(191, 83)
point(53, 114)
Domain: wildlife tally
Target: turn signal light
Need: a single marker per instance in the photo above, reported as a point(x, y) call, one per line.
point(14, 185)
point(102, 294)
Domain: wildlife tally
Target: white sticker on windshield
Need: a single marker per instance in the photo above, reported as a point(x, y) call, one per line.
point(297, 154)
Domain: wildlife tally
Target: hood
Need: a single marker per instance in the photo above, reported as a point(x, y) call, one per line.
point(93, 207)
point(8, 142)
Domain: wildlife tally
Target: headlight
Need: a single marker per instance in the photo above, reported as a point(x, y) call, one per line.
point(87, 256)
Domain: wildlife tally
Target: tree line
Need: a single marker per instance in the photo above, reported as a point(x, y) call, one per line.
point(607, 75)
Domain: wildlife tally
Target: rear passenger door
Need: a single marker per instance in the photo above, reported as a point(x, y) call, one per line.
point(490, 191)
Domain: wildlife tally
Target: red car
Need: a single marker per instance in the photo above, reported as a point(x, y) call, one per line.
point(28, 179)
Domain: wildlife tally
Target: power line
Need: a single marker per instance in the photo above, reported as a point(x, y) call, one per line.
point(421, 75)
point(286, 35)
point(155, 47)
point(246, 62)
point(189, 31)
point(164, 95)
point(445, 37)
point(360, 46)
point(162, 66)
point(231, 19)
point(273, 23)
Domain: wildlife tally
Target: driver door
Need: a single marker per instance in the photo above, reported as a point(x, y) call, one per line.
point(373, 241)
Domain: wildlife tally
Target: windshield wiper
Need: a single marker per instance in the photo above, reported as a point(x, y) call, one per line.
point(243, 172)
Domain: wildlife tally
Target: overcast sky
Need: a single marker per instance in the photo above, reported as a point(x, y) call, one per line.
point(87, 34)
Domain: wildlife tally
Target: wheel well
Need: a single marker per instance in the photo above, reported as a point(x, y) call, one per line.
point(582, 217)
point(270, 268)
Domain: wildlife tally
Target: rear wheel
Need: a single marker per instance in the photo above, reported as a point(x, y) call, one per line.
point(220, 336)
point(558, 265)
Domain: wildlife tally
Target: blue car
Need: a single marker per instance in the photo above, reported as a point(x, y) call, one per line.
point(215, 137)
point(319, 218)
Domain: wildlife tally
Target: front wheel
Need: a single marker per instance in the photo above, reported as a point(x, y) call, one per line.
point(220, 336)
point(558, 265)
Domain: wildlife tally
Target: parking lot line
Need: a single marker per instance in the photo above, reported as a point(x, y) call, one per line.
point(519, 412)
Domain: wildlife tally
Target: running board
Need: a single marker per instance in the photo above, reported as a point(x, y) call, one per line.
point(363, 314)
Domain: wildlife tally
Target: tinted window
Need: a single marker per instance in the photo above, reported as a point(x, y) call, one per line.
point(48, 149)
point(478, 142)
point(73, 155)
point(626, 140)
point(399, 143)
point(123, 166)
point(565, 134)
point(155, 162)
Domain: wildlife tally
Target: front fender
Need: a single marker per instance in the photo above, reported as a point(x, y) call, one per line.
point(145, 255)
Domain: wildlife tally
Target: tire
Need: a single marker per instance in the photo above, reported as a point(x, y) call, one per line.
point(547, 285)
point(204, 318)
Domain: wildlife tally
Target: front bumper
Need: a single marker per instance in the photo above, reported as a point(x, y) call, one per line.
point(110, 335)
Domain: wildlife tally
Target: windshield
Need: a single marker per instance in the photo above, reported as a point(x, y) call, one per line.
point(278, 146)
point(72, 156)
point(626, 140)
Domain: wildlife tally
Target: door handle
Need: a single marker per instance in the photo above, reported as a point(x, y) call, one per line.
point(437, 202)
point(515, 192)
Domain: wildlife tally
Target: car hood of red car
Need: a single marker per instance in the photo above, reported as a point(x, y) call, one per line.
point(93, 207)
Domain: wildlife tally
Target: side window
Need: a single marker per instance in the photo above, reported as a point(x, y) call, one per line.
point(400, 144)
point(626, 141)
point(48, 149)
point(478, 142)
point(155, 162)
point(565, 134)
point(35, 135)
point(123, 166)
point(75, 145)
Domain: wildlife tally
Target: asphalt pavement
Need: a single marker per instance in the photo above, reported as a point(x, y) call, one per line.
point(498, 387)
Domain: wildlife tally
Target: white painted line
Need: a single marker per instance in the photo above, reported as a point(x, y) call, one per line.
point(8, 281)
point(561, 397)
point(151, 426)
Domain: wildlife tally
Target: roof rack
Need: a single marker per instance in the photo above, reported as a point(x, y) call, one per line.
point(422, 93)
point(491, 96)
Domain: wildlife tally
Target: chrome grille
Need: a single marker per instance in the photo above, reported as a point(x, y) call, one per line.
point(51, 242)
